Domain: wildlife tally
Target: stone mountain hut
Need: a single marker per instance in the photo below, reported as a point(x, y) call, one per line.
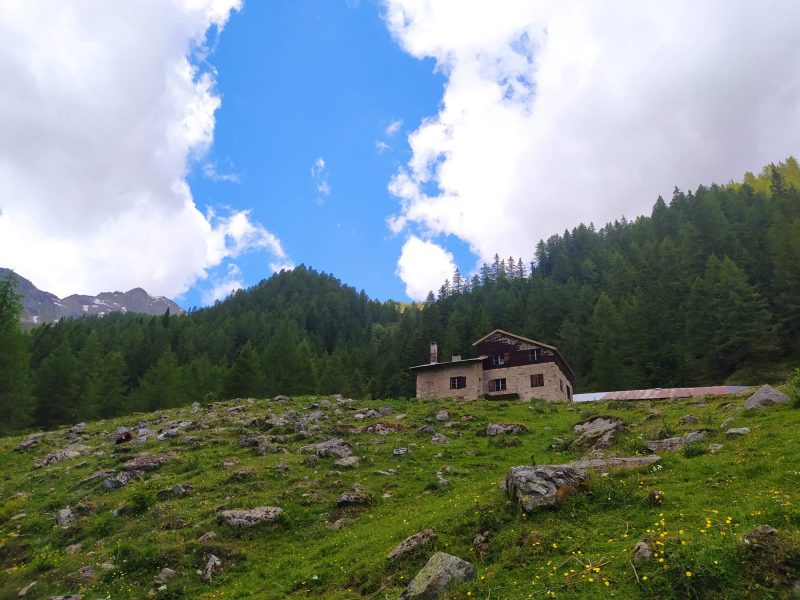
point(508, 366)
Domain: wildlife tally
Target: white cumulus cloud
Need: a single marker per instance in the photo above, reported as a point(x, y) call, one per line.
point(423, 266)
point(105, 106)
point(556, 113)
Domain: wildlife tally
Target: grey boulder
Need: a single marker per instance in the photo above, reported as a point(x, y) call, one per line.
point(543, 486)
point(766, 396)
point(441, 571)
point(252, 517)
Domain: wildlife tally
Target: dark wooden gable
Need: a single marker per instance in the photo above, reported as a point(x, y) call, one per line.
point(507, 350)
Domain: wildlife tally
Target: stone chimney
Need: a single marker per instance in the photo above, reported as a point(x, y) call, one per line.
point(434, 353)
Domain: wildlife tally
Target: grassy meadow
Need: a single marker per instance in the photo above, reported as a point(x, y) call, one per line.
point(706, 504)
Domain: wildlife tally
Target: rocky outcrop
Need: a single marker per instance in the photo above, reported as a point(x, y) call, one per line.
point(60, 455)
point(543, 486)
point(675, 443)
point(411, 543)
point(631, 462)
point(597, 433)
point(252, 517)
point(441, 571)
point(213, 566)
point(766, 396)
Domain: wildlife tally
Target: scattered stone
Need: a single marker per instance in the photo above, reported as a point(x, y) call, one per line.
point(207, 537)
point(281, 398)
point(674, 443)
point(146, 462)
point(382, 429)
point(642, 552)
point(117, 481)
point(78, 427)
point(442, 415)
point(213, 566)
point(58, 456)
point(348, 462)
point(762, 538)
point(65, 517)
point(168, 433)
point(281, 467)
point(727, 422)
point(377, 441)
point(443, 483)
point(411, 543)
point(385, 411)
point(439, 572)
point(738, 431)
point(541, 486)
point(332, 447)
point(251, 517)
point(426, 430)
point(68, 597)
point(714, 448)
point(653, 414)
point(29, 442)
point(165, 575)
point(176, 491)
point(236, 409)
point(97, 475)
point(481, 542)
point(438, 438)
point(73, 548)
point(353, 498)
point(24, 591)
point(766, 396)
point(317, 415)
point(493, 429)
point(688, 420)
point(264, 449)
point(402, 451)
point(597, 433)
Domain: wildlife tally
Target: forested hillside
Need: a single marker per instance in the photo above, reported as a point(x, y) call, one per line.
point(705, 290)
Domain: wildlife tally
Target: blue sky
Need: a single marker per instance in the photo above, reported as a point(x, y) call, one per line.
point(192, 147)
point(303, 80)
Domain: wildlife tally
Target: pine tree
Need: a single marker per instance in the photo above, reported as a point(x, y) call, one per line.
point(16, 401)
point(245, 377)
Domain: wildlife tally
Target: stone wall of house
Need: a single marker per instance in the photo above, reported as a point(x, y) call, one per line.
point(435, 382)
point(518, 379)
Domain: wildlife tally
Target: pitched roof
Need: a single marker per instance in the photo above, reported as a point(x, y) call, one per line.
point(514, 335)
point(530, 341)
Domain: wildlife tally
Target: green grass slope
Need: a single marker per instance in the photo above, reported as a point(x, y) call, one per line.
point(582, 549)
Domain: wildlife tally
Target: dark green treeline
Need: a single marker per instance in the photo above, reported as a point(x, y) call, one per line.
point(705, 290)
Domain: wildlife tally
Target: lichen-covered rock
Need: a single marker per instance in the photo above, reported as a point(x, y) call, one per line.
point(438, 438)
point(597, 433)
point(65, 517)
point(766, 396)
point(332, 447)
point(674, 443)
point(642, 552)
point(439, 572)
point(442, 415)
point(348, 462)
point(382, 429)
point(629, 462)
point(165, 575)
point(252, 517)
point(411, 543)
point(213, 566)
point(29, 442)
point(493, 429)
point(543, 486)
point(353, 498)
point(738, 431)
point(146, 462)
point(59, 456)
